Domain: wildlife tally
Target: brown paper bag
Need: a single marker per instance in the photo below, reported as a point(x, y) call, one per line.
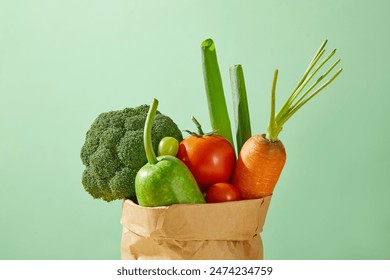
point(228, 230)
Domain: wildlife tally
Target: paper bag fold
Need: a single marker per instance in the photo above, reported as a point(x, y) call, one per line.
point(229, 230)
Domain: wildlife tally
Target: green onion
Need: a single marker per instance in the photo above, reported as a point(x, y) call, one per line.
point(218, 112)
point(240, 106)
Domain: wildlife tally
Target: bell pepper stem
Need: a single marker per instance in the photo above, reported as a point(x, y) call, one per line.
point(149, 151)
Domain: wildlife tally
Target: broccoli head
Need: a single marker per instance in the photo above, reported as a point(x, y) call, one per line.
point(113, 151)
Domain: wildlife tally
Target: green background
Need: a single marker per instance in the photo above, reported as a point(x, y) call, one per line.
point(64, 62)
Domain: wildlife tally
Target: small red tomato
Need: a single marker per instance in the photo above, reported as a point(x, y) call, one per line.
point(221, 192)
point(210, 158)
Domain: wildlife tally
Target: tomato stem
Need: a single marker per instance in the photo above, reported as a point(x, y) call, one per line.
point(198, 126)
point(200, 132)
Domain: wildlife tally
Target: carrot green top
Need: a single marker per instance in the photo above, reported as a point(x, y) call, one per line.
point(302, 92)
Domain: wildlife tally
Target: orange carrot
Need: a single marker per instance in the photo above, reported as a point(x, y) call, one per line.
point(258, 166)
point(262, 157)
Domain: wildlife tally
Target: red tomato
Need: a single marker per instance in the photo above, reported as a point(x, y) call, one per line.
point(221, 192)
point(211, 159)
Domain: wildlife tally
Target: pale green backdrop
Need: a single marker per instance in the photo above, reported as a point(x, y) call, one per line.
point(64, 62)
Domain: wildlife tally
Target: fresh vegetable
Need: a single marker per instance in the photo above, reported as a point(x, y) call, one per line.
point(113, 151)
point(240, 105)
point(222, 192)
point(258, 167)
point(262, 157)
point(218, 112)
point(210, 157)
point(168, 146)
point(164, 180)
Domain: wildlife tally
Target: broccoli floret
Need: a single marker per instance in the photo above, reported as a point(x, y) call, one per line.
point(120, 182)
point(113, 151)
point(104, 162)
point(131, 150)
point(94, 185)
